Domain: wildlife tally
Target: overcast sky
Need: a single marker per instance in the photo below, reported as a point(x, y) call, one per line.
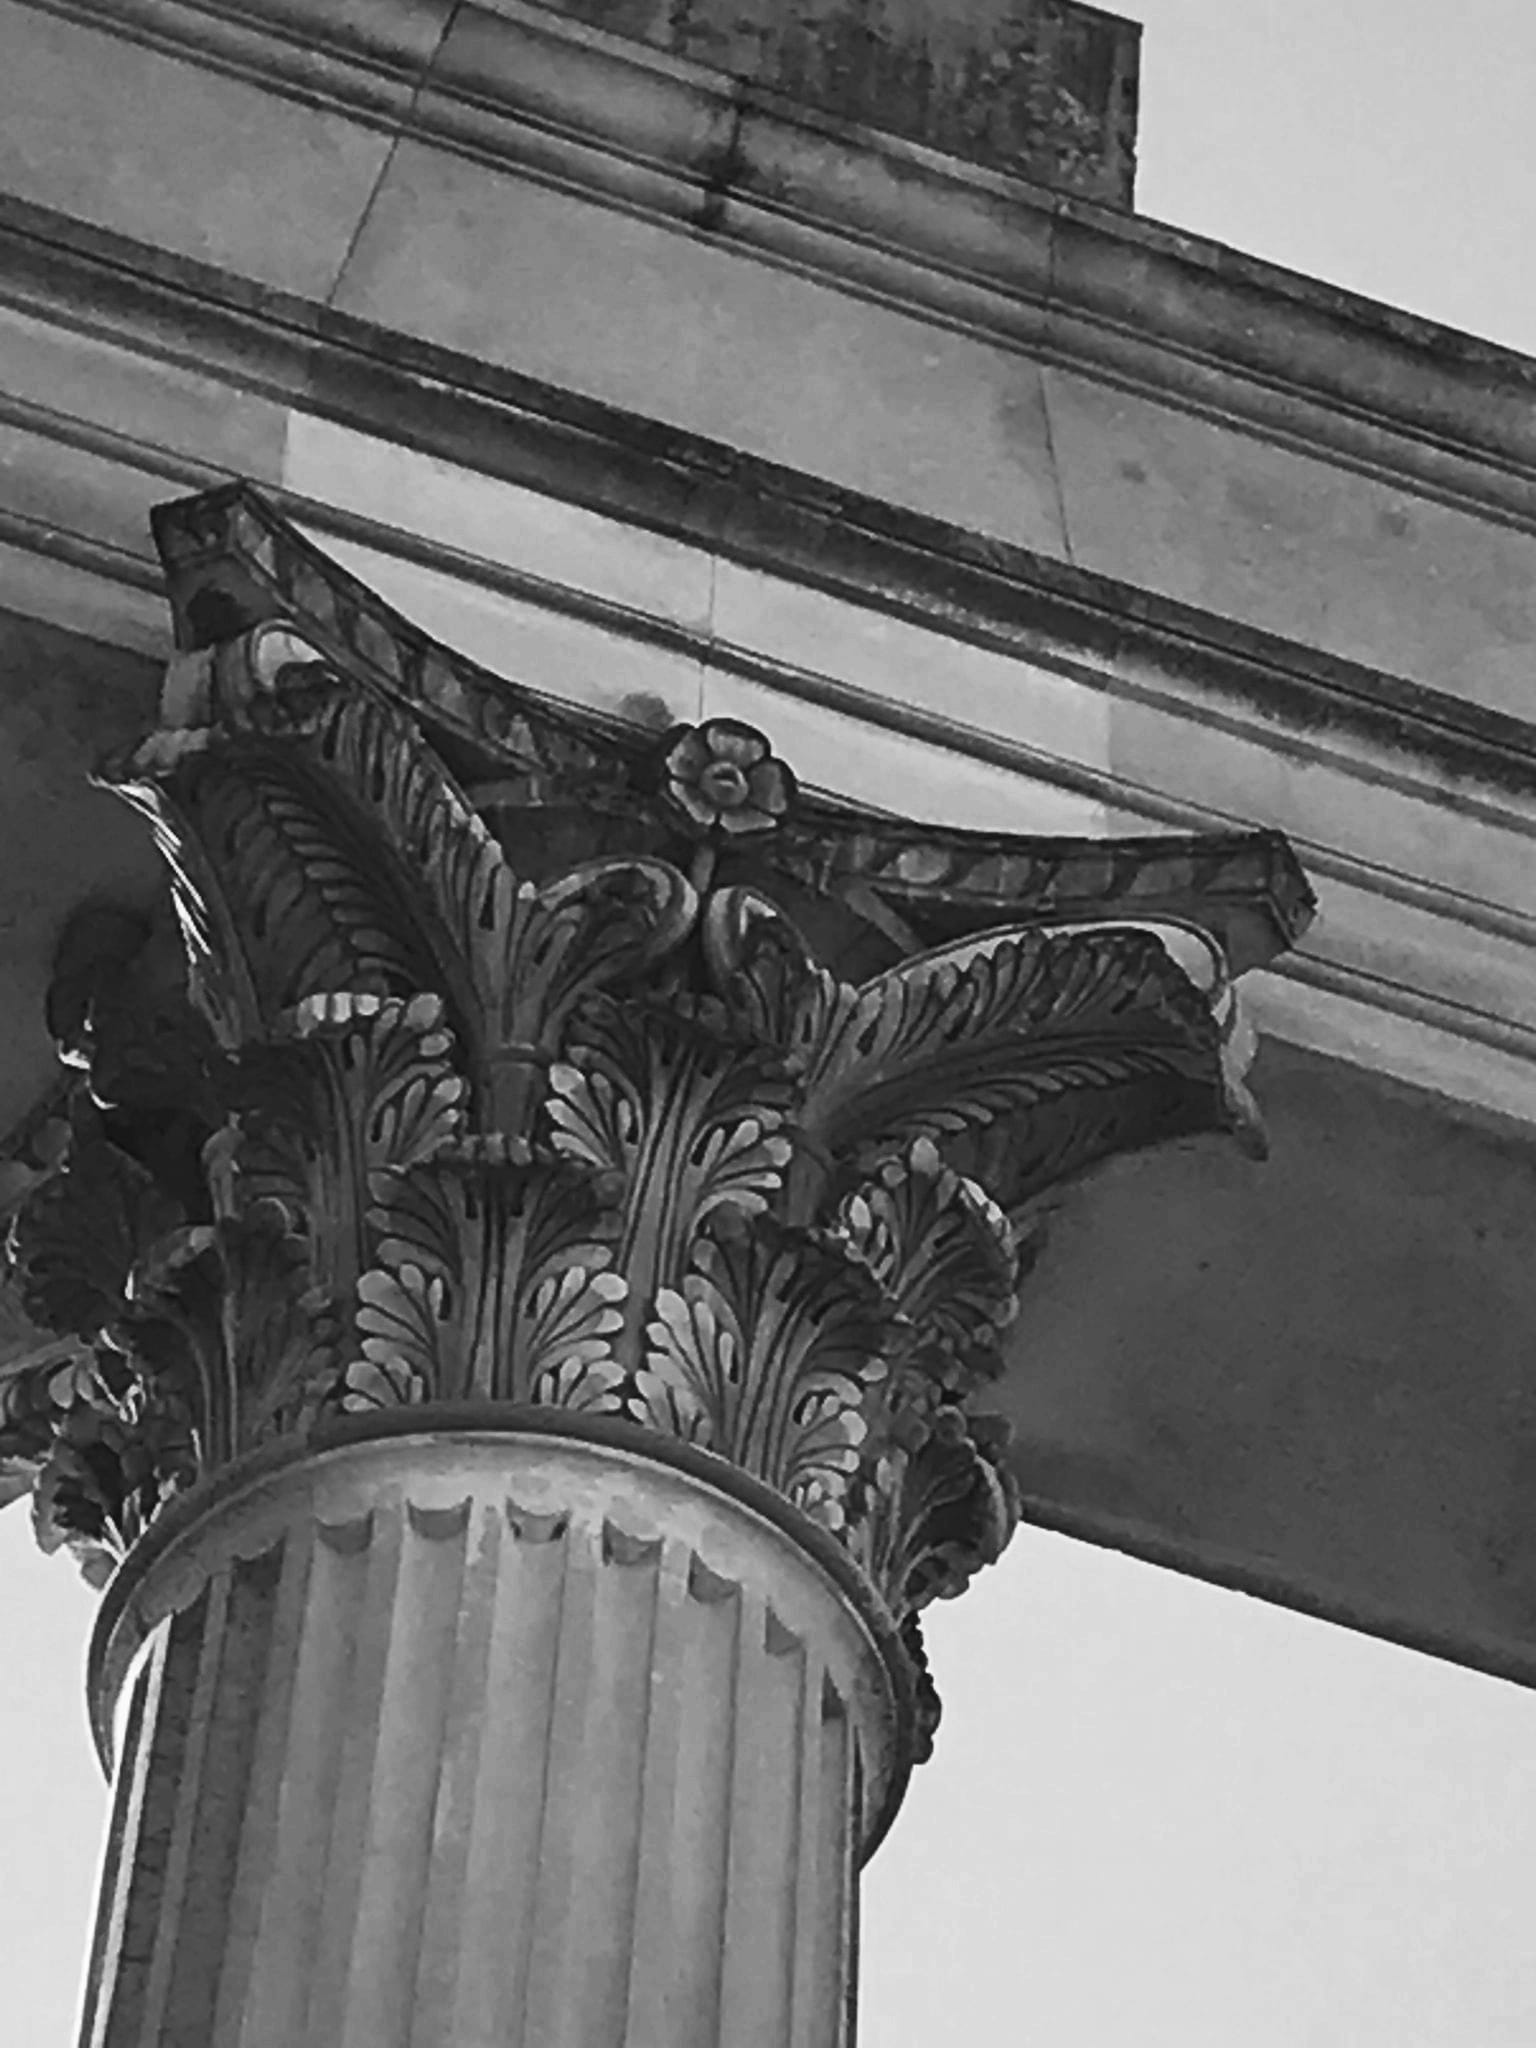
point(1161, 1816)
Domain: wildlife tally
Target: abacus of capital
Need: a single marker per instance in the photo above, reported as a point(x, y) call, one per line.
point(516, 1275)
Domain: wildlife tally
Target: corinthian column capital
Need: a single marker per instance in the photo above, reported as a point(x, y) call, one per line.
point(528, 1059)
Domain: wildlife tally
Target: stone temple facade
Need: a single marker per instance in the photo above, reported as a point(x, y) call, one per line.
point(698, 754)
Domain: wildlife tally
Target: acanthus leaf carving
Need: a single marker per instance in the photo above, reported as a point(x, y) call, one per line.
point(947, 1257)
point(766, 1353)
point(353, 1085)
point(677, 1122)
point(494, 1279)
point(74, 1246)
point(951, 1041)
point(937, 1500)
point(641, 1086)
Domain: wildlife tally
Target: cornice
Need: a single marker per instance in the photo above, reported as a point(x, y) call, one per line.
point(1124, 299)
point(765, 516)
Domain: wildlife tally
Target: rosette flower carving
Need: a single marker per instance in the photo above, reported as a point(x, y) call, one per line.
point(725, 777)
point(443, 1113)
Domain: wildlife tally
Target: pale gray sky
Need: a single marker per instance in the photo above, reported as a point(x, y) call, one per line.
point(1161, 1816)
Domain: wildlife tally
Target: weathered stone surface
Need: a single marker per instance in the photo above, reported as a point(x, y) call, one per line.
point(1043, 87)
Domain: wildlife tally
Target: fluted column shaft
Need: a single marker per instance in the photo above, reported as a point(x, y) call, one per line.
point(468, 1738)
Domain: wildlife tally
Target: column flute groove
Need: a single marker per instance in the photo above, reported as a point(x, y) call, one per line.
point(449, 1901)
point(271, 1693)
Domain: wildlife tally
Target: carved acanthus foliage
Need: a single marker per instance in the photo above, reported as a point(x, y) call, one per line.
point(448, 1117)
